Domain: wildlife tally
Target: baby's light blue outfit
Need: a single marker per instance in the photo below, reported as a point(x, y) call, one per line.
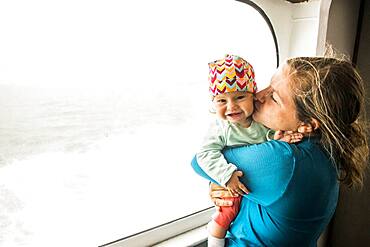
point(223, 134)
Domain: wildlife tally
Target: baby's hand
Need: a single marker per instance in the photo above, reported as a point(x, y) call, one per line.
point(305, 129)
point(288, 136)
point(235, 186)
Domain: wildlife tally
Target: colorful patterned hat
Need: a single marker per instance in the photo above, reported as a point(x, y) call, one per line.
point(231, 74)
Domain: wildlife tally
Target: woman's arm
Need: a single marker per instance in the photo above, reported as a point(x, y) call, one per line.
point(267, 169)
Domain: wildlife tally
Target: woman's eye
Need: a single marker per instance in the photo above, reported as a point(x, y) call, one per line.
point(272, 97)
point(240, 97)
point(220, 101)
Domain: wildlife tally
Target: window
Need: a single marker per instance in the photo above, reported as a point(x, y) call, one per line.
point(103, 105)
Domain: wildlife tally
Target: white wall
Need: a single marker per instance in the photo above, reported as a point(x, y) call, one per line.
point(305, 27)
point(296, 26)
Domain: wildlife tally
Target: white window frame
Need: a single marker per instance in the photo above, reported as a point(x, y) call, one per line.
point(189, 223)
point(166, 231)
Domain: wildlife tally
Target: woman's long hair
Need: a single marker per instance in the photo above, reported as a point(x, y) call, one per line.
point(331, 91)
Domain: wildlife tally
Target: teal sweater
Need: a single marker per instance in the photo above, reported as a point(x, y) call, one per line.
point(294, 193)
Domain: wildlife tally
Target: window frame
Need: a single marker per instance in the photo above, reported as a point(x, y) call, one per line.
point(165, 231)
point(269, 24)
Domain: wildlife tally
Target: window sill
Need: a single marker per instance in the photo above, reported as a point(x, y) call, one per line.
point(194, 237)
point(187, 231)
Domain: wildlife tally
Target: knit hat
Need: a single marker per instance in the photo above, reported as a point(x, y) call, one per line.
point(231, 74)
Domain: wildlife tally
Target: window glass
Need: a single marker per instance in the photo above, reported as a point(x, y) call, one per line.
point(103, 105)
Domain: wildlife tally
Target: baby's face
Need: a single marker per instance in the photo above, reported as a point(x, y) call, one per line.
point(235, 107)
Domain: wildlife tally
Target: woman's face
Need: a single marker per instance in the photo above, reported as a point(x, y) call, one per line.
point(274, 106)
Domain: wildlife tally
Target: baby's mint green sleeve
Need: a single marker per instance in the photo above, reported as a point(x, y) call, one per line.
point(210, 157)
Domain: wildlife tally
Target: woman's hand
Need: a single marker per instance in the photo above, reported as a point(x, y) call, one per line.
point(218, 193)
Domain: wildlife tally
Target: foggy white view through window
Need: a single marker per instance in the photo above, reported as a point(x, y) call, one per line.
point(103, 104)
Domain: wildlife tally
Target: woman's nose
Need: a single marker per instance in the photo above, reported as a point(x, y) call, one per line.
point(261, 95)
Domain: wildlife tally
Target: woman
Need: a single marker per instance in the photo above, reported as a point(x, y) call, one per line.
point(294, 187)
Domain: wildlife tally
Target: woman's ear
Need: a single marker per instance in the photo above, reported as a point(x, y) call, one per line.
point(307, 128)
point(315, 124)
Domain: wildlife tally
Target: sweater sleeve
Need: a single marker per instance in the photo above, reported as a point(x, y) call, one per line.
point(210, 157)
point(267, 169)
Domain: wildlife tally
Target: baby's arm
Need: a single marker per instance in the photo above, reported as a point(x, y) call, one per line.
point(267, 169)
point(212, 161)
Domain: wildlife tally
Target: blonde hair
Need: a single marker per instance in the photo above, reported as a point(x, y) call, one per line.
point(331, 91)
